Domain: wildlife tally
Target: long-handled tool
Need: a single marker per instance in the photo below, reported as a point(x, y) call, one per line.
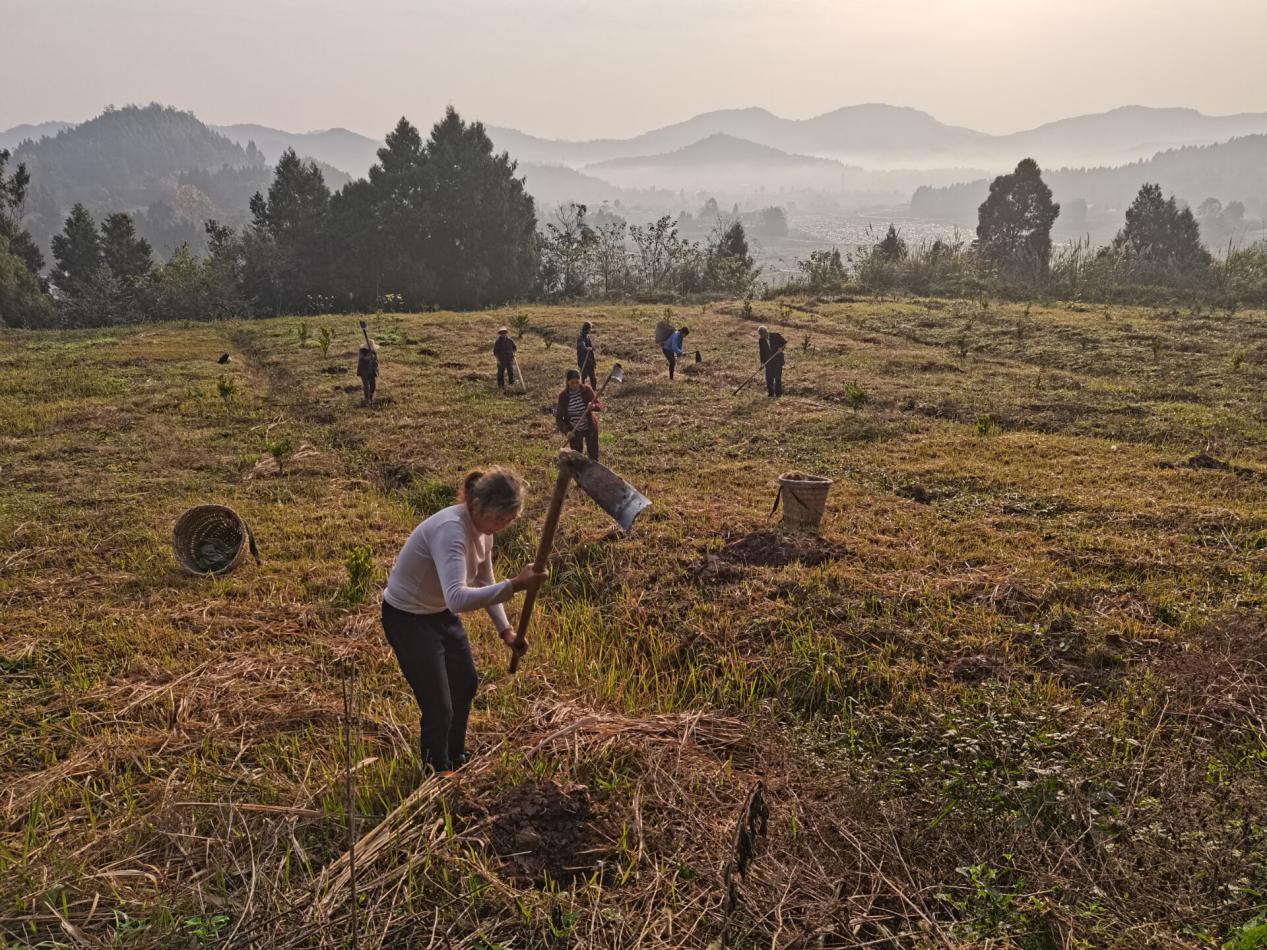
point(365, 328)
point(519, 373)
point(612, 493)
point(770, 359)
point(616, 375)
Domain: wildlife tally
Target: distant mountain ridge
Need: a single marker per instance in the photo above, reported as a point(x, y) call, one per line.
point(875, 135)
point(11, 138)
point(341, 148)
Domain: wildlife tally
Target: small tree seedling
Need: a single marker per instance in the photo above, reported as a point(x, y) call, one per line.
point(226, 386)
point(280, 449)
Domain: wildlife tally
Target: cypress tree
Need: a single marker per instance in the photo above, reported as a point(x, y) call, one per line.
point(77, 252)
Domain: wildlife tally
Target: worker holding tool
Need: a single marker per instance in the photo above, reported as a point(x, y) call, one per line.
point(446, 569)
point(771, 348)
point(585, 358)
point(504, 349)
point(574, 414)
point(367, 368)
point(672, 348)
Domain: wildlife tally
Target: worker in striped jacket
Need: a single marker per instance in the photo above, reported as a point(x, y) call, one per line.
point(574, 414)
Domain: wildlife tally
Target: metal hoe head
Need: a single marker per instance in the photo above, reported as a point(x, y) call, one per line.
point(611, 492)
point(617, 374)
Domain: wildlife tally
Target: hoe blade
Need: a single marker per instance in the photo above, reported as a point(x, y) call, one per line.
point(617, 374)
point(611, 492)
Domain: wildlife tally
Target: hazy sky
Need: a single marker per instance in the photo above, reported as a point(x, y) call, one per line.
point(587, 68)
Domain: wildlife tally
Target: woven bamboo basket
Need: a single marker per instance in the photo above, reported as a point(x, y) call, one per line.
point(804, 499)
point(210, 540)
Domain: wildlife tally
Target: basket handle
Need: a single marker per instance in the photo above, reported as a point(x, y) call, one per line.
point(250, 540)
point(778, 497)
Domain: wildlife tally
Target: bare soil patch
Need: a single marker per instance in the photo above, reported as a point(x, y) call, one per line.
point(541, 832)
point(765, 548)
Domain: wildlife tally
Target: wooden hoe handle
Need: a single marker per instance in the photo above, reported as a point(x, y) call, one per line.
point(543, 556)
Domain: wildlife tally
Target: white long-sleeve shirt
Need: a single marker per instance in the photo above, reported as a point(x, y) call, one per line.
point(448, 564)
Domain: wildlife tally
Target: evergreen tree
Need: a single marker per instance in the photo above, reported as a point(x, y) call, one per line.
point(892, 248)
point(729, 265)
point(23, 302)
point(129, 258)
point(1014, 222)
point(12, 198)
point(481, 224)
point(290, 252)
point(386, 225)
point(1161, 233)
point(77, 252)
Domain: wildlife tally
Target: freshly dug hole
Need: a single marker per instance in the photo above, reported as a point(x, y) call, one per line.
point(765, 548)
point(542, 832)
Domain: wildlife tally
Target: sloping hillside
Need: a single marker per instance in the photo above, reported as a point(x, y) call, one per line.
point(1011, 696)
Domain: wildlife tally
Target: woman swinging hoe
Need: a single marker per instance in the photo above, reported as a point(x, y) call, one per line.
point(446, 569)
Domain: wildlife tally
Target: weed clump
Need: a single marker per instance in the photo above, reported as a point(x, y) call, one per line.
point(426, 495)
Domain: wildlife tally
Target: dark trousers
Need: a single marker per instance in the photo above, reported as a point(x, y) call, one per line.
point(588, 438)
point(435, 656)
point(671, 357)
point(774, 377)
point(586, 367)
point(369, 384)
point(504, 370)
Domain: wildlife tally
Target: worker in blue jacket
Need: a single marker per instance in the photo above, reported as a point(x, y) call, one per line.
point(672, 348)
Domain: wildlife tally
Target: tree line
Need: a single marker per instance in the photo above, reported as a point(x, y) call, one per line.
point(1157, 255)
point(437, 224)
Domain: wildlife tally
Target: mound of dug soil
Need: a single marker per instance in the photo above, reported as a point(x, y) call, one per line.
point(764, 548)
point(543, 832)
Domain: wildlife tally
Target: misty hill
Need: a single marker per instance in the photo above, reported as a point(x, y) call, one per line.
point(157, 162)
point(1231, 171)
point(870, 129)
point(721, 163)
point(12, 138)
point(341, 148)
point(1128, 133)
point(879, 135)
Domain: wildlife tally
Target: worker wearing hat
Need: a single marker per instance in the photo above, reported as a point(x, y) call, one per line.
point(504, 349)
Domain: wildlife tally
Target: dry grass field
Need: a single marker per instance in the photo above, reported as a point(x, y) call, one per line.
point(1015, 695)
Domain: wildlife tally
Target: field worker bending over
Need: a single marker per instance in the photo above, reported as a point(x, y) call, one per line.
point(585, 358)
point(673, 348)
point(446, 569)
point(574, 414)
point(367, 369)
point(771, 348)
point(504, 349)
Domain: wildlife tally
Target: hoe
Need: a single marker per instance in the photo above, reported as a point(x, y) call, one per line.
point(612, 493)
point(617, 375)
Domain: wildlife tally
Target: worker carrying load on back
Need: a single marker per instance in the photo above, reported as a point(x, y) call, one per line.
point(585, 358)
point(672, 348)
point(574, 415)
point(771, 348)
point(446, 569)
point(504, 349)
point(367, 368)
